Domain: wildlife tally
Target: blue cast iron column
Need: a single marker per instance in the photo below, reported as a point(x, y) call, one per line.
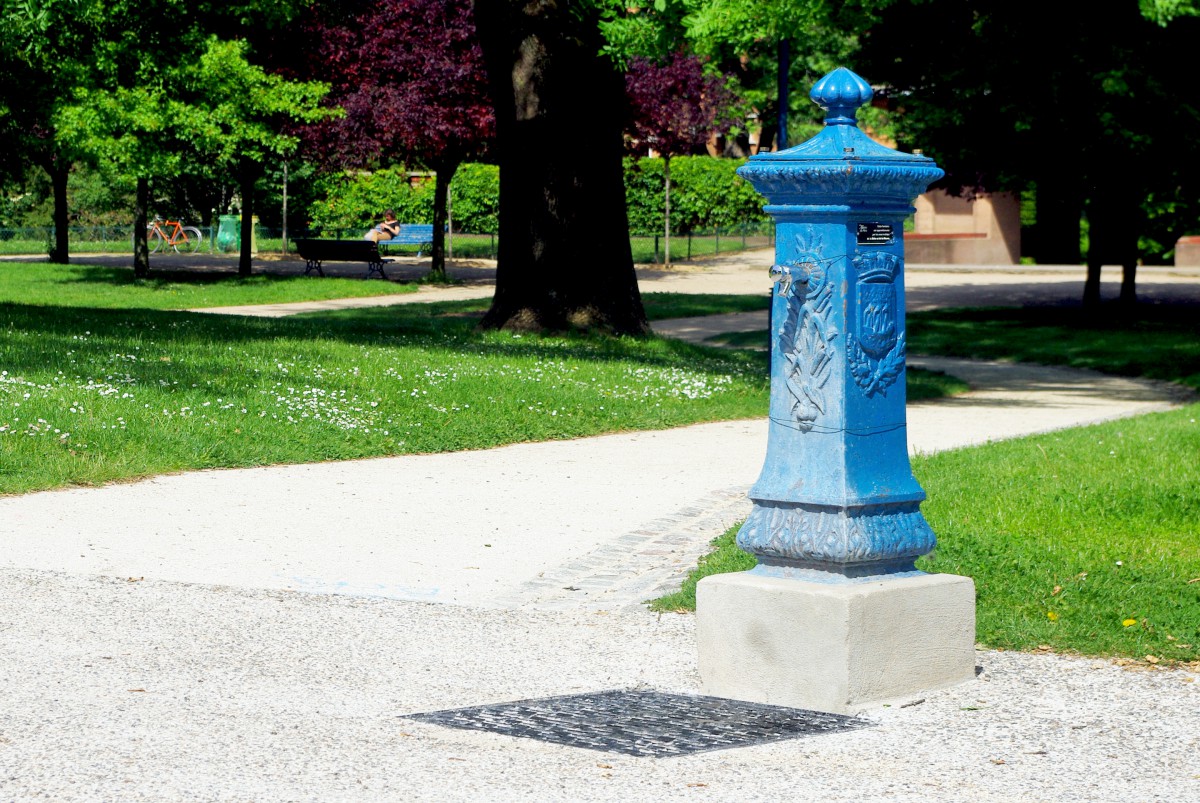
point(836, 498)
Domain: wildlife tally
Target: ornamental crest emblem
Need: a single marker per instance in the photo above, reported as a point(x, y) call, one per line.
point(876, 355)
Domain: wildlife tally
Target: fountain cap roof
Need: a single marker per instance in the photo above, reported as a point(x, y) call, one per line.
point(840, 159)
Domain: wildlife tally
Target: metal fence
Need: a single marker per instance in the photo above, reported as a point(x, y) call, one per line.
point(37, 241)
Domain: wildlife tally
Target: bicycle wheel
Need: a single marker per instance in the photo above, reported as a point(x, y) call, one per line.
point(154, 240)
point(189, 240)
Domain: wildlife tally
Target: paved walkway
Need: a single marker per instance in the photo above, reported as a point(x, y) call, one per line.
point(254, 634)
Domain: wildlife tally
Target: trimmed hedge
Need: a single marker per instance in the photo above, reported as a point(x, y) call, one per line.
point(705, 194)
point(358, 200)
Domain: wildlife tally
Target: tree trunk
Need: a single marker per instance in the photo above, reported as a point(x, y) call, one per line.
point(667, 211)
point(441, 191)
point(782, 79)
point(768, 127)
point(564, 259)
point(249, 177)
point(1128, 297)
point(1091, 285)
point(141, 254)
point(1059, 207)
point(59, 173)
point(1114, 221)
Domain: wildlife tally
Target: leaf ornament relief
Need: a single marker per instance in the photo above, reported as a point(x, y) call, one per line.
point(876, 355)
point(804, 340)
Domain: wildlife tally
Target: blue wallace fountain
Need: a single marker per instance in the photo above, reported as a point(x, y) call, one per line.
point(835, 616)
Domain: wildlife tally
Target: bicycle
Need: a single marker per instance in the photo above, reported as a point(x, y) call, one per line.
point(172, 233)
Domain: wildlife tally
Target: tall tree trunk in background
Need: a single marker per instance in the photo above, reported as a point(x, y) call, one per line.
point(782, 79)
point(441, 191)
point(564, 259)
point(250, 171)
point(1091, 284)
point(1115, 220)
point(1128, 297)
point(59, 173)
point(667, 211)
point(768, 127)
point(141, 204)
point(1059, 208)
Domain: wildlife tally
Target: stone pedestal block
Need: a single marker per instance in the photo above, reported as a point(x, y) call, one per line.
point(842, 647)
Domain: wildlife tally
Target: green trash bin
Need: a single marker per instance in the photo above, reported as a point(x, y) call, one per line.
point(229, 233)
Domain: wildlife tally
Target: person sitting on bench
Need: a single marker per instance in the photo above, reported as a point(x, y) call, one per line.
point(386, 230)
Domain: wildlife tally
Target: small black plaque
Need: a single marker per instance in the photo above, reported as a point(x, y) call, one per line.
point(875, 234)
point(643, 723)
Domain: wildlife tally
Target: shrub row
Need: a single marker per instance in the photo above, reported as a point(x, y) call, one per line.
point(357, 200)
point(705, 194)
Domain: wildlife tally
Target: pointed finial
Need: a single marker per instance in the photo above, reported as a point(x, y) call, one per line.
point(840, 93)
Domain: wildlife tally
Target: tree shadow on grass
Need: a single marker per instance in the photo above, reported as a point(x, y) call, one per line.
point(1151, 341)
point(447, 328)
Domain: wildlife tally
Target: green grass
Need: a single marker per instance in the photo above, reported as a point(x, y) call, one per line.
point(92, 395)
point(1070, 535)
point(117, 288)
point(1085, 540)
point(660, 306)
point(1097, 526)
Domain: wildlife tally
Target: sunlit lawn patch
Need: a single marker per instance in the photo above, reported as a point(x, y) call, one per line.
point(91, 286)
point(1097, 526)
point(1085, 540)
point(93, 395)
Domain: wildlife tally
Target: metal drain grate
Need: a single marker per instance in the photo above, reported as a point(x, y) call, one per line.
point(643, 723)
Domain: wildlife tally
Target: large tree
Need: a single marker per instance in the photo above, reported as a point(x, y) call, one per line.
point(564, 253)
point(240, 118)
point(409, 74)
point(772, 45)
point(51, 46)
point(143, 90)
point(1080, 114)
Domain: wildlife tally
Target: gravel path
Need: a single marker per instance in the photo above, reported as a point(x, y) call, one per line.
point(150, 690)
point(257, 634)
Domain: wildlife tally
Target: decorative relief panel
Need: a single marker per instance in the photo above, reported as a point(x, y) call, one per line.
point(817, 534)
point(804, 340)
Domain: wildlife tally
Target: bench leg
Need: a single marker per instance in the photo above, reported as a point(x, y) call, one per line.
point(373, 268)
point(311, 265)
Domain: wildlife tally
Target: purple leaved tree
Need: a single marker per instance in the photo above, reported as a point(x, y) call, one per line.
point(409, 74)
point(675, 107)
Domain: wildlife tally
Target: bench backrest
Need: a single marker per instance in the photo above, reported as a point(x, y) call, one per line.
point(413, 234)
point(338, 250)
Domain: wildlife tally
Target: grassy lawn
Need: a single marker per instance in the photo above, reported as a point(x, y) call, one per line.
point(91, 395)
point(1157, 343)
point(41, 283)
point(1085, 540)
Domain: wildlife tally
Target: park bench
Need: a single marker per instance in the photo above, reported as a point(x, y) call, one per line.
point(418, 234)
point(314, 252)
